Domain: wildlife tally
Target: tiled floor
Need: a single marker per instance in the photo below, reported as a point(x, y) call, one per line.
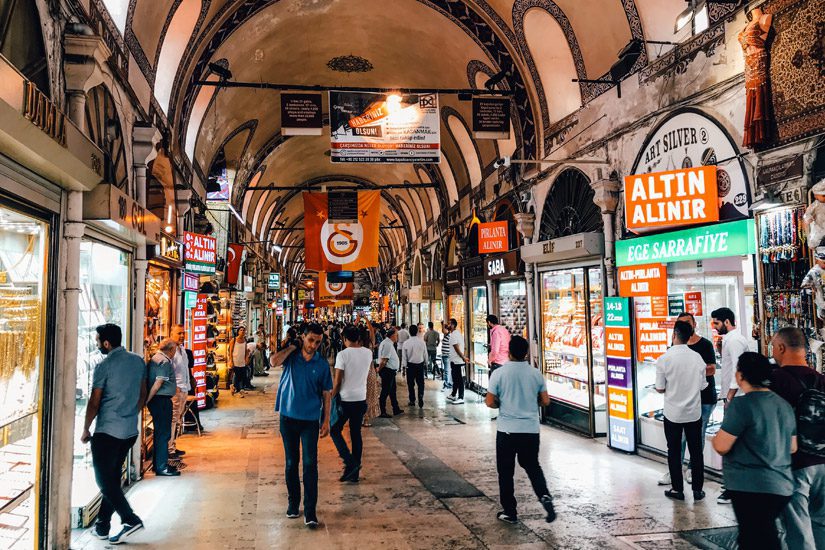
point(428, 482)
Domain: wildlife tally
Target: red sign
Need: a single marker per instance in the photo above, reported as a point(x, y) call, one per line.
point(199, 349)
point(671, 199)
point(643, 280)
point(658, 306)
point(493, 237)
point(199, 252)
point(651, 338)
point(693, 303)
point(234, 255)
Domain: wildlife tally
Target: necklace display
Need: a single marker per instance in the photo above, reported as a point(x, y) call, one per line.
point(19, 332)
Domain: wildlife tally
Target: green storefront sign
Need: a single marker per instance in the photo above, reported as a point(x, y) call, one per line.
point(617, 312)
point(713, 241)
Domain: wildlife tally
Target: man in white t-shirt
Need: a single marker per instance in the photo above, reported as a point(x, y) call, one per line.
point(414, 363)
point(352, 366)
point(457, 362)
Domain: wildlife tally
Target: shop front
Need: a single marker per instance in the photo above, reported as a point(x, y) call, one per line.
point(162, 282)
point(569, 286)
point(477, 333)
point(455, 299)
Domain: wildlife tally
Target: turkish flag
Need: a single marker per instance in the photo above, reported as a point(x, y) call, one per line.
point(342, 245)
point(234, 255)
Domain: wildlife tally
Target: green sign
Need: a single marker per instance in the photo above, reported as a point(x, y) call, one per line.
point(713, 241)
point(274, 281)
point(616, 312)
point(675, 304)
point(190, 299)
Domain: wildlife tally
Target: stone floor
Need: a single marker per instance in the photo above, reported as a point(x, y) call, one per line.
point(428, 482)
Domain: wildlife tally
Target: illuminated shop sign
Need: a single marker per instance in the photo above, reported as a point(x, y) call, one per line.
point(621, 420)
point(670, 199)
point(199, 252)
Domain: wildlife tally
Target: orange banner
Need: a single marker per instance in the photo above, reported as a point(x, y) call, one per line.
point(341, 246)
point(617, 341)
point(333, 292)
point(643, 280)
point(620, 402)
point(652, 338)
point(493, 237)
point(671, 199)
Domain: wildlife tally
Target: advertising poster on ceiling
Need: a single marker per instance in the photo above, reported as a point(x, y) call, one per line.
point(301, 114)
point(690, 139)
point(341, 246)
point(380, 127)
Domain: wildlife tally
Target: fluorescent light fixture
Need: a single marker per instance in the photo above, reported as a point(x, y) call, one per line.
point(684, 18)
point(277, 248)
point(701, 22)
point(240, 219)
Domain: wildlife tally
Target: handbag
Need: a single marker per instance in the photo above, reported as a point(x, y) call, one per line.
point(336, 411)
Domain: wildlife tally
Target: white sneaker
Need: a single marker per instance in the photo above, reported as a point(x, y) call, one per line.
point(665, 479)
point(688, 476)
point(450, 397)
point(458, 401)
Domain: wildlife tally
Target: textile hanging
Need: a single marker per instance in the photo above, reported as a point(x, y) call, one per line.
point(341, 230)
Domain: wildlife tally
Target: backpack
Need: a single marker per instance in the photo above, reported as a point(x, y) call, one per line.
point(810, 420)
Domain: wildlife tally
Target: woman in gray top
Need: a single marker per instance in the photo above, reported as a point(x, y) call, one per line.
point(756, 440)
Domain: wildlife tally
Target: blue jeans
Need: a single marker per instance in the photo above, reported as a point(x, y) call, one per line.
point(448, 375)
point(707, 411)
point(296, 434)
point(803, 519)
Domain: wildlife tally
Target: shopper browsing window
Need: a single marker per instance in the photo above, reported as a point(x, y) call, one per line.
point(118, 391)
point(352, 367)
point(445, 357)
point(756, 440)
point(680, 376)
point(796, 383)
point(414, 363)
point(499, 343)
point(457, 361)
point(162, 389)
point(431, 338)
point(304, 395)
point(517, 390)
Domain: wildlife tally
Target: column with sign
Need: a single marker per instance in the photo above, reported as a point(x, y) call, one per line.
point(620, 409)
point(199, 349)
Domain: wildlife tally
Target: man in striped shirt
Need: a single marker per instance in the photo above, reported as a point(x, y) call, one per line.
point(445, 356)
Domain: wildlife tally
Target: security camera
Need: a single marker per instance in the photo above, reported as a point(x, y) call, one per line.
point(503, 161)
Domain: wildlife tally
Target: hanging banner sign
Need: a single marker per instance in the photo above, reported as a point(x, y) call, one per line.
point(199, 252)
point(671, 199)
point(378, 127)
point(334, 246)
point(191, 281)
point(493, 237)
point(274, 281)
point(621, 418)
point(199, 318)
point(643, 280)
point(234, 258)
point(714, 241)
point(330, 291)
point(491, 118)
point(301, 114)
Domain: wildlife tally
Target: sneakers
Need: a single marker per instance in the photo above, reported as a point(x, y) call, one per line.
point(168, 472)
point(411, 404)
point(125, 532)
point(350, 474)
point(292, 514)
point(458, 401)
point(723, 498)
point(399, 411)
point(547, 502)
point(665, 480)
point(675, 495)
point(698, 495)
point(506, 518)
point(450, 398)
point(688, 476)
point(311, 521)
point(101, 531)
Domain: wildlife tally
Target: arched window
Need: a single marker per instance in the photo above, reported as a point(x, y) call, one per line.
point(554, 62)
point(468, 150)
point(569, 207)
point(118, 11)
point(105, 130)
point(174, 44)
point(416, 274)
point(21, 41)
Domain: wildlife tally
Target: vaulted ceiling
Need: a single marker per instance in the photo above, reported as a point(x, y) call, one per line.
point(543, 45)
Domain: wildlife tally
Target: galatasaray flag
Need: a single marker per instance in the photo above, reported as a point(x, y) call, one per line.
point(342, 234)
point(333, 292)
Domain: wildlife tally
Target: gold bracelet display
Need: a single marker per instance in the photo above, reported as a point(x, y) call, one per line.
point(19, 332)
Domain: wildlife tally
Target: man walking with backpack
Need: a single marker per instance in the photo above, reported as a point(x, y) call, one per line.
point(804, 389)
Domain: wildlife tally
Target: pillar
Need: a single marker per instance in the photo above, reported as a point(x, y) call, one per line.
point(526, 226)
point(607, 199)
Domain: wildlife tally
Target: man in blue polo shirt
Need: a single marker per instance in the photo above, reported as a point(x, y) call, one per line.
point(304, 395)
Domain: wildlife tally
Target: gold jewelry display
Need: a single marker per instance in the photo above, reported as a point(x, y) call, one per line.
point(19, 332)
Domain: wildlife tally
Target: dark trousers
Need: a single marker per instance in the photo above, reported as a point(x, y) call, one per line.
point(108, 454)
point(756, 515)
point(352, 412)
point(239, 380)
point(431, 361)
point(298, 434)
point(389, 389)
point(493, 367)
point(693, 434)
point(415, 375)
point(525, 448)
point(457, 370)
point(161, 408)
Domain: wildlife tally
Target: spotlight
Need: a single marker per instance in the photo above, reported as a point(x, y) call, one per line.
point(495, 79)
point(221, 69)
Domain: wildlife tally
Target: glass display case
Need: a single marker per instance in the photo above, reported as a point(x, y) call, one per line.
point(437, 314)
point(104, 298)
point(512, 307)
point(23, 278)
point(573, 362)
point(455, 303)
point(158, 308)
point(478, 335)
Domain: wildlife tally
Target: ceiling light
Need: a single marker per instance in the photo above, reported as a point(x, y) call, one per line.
point(684, 18)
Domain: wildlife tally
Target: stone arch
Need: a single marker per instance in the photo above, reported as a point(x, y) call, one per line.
point(174, 43)
point(569, 207)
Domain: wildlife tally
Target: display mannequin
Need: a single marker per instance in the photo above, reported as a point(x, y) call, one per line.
point(815, 216)
point(752, 39)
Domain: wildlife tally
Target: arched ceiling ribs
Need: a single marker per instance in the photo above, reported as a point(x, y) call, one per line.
point(234, 15)
point(467, 146)
point(410, 219)
point(250, 126)
point(175, 38)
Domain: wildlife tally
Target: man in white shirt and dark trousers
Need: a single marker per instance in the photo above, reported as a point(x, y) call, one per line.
point(352, 366)
point(457, 362)
point(516, 390)
point(388, 365)
point(680, 375)
point(180, 362)
point(734, 344)
point(414, 363)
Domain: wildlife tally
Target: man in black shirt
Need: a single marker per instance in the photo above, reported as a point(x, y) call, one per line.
point(703, 347)
point(804, 516)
